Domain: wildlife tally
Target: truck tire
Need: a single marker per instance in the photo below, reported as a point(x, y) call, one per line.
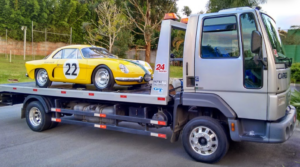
point(103, 78)
point(42, 79)
point(36, 117)
point(205, 140)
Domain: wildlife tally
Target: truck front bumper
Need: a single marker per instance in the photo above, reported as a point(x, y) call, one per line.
point(282, 130)
point(263, 131)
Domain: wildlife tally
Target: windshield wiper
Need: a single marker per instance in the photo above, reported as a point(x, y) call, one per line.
point(290, 60)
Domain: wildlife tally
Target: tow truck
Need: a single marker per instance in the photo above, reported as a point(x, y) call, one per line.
point(235, 86)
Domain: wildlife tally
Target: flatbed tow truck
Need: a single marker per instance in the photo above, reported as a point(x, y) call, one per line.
point(235, 86)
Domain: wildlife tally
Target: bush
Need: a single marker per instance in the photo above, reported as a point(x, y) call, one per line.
point(295, 73)
point(295, 101)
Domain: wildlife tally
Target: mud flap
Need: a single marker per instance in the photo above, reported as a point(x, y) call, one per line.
point(181, 119)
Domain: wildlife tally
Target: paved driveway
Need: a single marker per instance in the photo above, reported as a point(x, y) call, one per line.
point(71, 145)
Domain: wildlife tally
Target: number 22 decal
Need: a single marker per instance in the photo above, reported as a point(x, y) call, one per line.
point(69, 67)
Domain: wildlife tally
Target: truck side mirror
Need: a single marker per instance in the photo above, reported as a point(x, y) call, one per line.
point(256, 42)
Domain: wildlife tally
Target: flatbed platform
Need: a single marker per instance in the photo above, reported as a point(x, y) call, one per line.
point(67, 90)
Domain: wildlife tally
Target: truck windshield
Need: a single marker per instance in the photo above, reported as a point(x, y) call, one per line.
point(278, 51)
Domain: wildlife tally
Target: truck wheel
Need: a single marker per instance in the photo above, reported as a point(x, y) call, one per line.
point(103, 78)
point(36, 118)
point(204, 139)
point(42, 79)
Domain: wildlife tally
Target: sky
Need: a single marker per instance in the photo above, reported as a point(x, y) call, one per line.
point(285, 12)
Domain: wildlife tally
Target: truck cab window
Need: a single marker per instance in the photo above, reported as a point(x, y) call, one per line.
point(253, 71)
point(220, 38)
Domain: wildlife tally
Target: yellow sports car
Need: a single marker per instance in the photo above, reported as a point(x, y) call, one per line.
point(86, 64)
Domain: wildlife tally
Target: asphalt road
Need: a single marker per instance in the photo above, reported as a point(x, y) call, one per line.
point(72, 145)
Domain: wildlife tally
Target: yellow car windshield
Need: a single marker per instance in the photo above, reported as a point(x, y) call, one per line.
point(94, 52)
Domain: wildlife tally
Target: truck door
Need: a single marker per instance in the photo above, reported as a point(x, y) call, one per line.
point(225, 65)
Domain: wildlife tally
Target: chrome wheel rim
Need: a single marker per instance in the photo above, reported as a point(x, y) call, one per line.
point(42, 77)
point(203, 140)
point(35, 116)
point(102, 78)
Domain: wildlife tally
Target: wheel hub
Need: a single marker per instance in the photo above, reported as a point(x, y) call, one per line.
point(35, 116)
point(203, 140)
point(102, 78)
point(42, 76)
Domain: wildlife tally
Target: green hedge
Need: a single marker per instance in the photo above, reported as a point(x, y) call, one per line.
point(295, 73)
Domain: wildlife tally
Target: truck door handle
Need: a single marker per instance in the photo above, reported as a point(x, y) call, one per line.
point(187, 68)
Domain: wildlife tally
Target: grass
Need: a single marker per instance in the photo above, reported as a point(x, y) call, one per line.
point(14, 70)
point(176, 72)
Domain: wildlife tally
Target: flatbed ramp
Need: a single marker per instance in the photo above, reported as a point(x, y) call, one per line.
point(66, 90)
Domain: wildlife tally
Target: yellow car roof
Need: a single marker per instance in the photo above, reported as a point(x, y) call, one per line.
point(79, 46)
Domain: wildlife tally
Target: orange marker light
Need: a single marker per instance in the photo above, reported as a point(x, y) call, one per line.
point(184, 20)
point(170, 16)
point(232, 127)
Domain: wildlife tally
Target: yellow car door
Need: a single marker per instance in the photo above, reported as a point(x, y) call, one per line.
point(71, 67)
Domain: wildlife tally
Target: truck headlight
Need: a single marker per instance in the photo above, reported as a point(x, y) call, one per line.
point(123, 68)
point(147, 77)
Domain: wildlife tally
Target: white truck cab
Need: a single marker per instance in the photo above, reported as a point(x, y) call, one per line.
point(233, 62)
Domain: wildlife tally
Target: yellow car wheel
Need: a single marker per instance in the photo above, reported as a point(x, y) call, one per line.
point(103, 78)
point(42, 79)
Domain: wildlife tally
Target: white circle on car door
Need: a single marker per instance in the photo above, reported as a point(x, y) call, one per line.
point(71, 69)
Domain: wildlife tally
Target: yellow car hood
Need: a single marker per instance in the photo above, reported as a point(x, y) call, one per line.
point(128, 63)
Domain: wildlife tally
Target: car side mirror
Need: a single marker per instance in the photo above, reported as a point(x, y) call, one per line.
point(256, 42)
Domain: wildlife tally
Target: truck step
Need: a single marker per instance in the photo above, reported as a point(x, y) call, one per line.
point(110, 127)
point(110, 116)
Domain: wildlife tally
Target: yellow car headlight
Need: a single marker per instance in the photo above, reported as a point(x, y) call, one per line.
point(123, 68)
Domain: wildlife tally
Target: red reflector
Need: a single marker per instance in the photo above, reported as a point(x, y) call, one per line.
point(35, 90)
point(103, 126)
point(57, 110)
point(161, 123)
point(123, 96)
point(14, 88)
point(63, 92)
point(102, 115)
point(162, 136)
point(161, 99)
point(58, 120)
point(91, 94)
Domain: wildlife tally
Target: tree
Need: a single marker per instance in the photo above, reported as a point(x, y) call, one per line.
point(201, 12)
point(292, 37)
point(110, 23)
point(147, 16)
point(216, 5)
point(186, 11)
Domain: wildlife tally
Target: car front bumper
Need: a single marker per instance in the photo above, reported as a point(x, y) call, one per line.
point(124, 79)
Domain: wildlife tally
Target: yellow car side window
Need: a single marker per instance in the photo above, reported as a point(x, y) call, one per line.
point(58, 55)
point(70, 53)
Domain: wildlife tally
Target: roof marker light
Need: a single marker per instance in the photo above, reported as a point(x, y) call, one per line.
point(171, 16)
point(184, 20)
